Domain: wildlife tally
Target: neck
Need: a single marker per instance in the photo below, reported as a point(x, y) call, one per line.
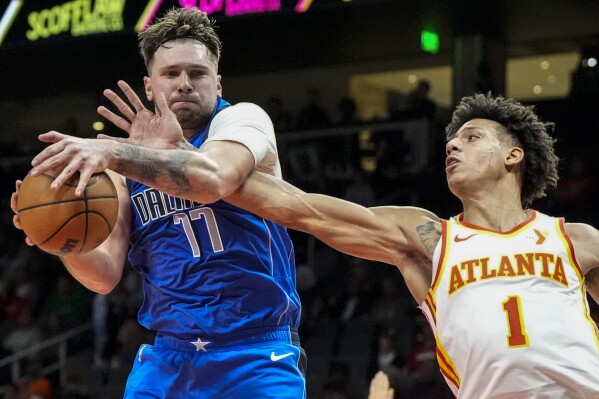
point(188, 133)
point(495, 212)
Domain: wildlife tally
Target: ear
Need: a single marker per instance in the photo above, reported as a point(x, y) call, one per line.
point(219, 87)
point(514, 156)
point(148, 88)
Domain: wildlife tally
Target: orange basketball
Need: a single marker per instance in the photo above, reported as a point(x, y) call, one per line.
point(59, 222)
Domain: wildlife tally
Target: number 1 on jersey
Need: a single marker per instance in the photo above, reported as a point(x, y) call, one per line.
point(517, 336)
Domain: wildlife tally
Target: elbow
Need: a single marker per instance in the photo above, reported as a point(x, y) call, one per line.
point(106, 286)
point(210, 187)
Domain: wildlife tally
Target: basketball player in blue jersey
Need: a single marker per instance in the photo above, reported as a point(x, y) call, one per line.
point(219, 282)
point(521, 275)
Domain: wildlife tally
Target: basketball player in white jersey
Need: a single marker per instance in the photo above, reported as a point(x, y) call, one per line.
point(502, 285)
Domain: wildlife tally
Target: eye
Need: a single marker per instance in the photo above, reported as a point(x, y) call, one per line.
point(197, 74)
point(170, 74)
point(472, 137)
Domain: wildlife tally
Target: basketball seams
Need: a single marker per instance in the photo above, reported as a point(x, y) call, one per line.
point(74, 216)
point(90, 183)
point(86, 229)
point(99, 197)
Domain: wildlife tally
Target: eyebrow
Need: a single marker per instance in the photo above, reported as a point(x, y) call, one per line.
point(465, 129)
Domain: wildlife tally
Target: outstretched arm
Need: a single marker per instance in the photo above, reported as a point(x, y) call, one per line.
point(383, 234)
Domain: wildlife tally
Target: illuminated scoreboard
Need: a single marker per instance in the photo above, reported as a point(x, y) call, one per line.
point(24, 21)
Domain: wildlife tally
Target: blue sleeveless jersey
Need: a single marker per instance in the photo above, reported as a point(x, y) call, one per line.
point(209, 270)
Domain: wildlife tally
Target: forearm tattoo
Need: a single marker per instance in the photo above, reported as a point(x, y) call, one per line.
point(429, 236)
point(168, 173)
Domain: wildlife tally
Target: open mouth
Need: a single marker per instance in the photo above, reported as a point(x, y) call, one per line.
point(450, 161)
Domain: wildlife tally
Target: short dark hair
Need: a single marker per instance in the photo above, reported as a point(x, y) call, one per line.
point(179, 23)
point(526, 129)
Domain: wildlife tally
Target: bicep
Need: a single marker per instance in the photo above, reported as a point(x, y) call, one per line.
point(592, 284)
point(585, 239)
point(385, 234)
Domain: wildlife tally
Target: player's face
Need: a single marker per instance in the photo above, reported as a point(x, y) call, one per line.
point(185, 72)
point(475, 156)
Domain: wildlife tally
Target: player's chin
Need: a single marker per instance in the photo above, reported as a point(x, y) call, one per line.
point(454, 183)
point(191, 119)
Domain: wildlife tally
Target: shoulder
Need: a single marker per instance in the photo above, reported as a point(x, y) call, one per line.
point(240, 119)
point(585, 240)
point(242, 111)
point(421, 227)
point(582, 232)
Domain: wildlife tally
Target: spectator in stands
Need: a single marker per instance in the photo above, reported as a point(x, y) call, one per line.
point(418, 104)
point(483, 82)
point(396, 104)
point(282, 120)
point(337, 384)
point(387, 356)
point(346, 107)
point(421, 376)
point(393, 316)
point(34, 383)
point(344, 151)
point(313, 115)
point(577, 191)
point(360, 190)
point(75, 384)
point(355, 301)
point(130, 337)
point(25, 335)
point(69, 301)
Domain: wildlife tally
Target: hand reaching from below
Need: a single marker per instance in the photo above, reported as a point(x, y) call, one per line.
point(379, 387)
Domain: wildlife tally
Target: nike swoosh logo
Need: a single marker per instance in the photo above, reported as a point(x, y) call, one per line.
point(460, 239)
point(276, 358)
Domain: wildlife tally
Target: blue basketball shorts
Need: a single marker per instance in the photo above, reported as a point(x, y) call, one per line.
point(269, 363)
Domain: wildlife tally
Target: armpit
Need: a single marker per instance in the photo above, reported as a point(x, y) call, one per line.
point(429, 235)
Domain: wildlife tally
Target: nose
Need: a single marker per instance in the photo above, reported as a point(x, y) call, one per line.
point(451, 146)
point(184, 83)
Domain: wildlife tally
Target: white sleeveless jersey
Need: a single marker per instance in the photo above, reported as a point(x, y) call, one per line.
point(510, 314)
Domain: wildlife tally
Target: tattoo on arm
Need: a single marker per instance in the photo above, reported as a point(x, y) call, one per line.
point(429, 236)
point(138, 163)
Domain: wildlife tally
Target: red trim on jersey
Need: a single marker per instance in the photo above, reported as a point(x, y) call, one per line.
point(447, 369)
point(430, 302)
point(444, 246)
point(460, 220)
point(562, 227)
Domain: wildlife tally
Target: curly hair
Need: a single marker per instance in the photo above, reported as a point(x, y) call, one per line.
point(525, 128)
point(179, 23)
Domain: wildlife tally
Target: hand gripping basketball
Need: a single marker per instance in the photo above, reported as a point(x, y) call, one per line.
point(60, 222)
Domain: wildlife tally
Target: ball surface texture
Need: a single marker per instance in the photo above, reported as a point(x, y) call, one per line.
point(58, 221)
